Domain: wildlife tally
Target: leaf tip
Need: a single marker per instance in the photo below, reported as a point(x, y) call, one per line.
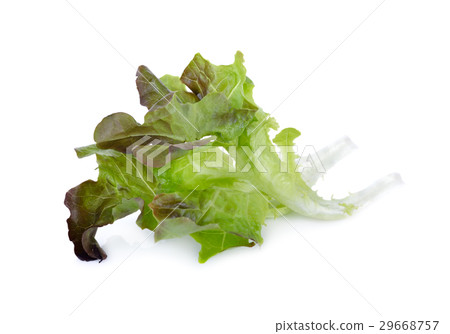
point(239, 57)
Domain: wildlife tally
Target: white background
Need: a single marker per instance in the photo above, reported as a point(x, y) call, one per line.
point(386, 86)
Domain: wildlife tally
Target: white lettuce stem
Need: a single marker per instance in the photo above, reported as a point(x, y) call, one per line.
point(329, 156)
point(361, 197)
point(340, 208)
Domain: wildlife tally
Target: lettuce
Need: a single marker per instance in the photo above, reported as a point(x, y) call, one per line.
point(201, 164)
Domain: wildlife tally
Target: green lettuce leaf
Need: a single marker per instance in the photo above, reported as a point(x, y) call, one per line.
point(124, 186)
point(222, 199)
point(285, 142)
point(122, 133)
point(187, 122)
point(126, 173)
point(214, 242)
point(175, 84)
point(179, 227)
point(204, 78)
point(233, 210)
point(287, 186)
